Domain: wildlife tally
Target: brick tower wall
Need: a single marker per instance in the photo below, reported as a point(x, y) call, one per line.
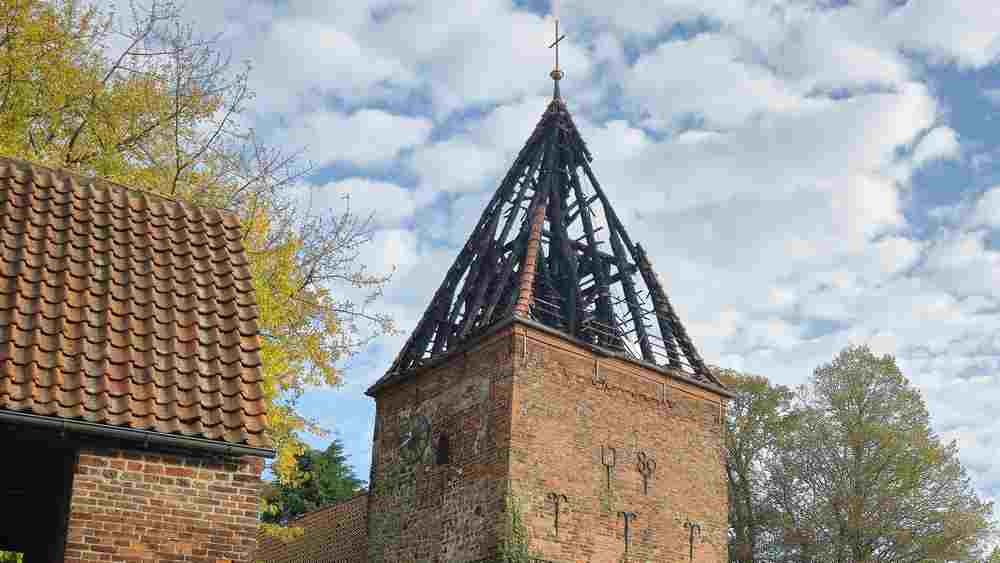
point(129, 505)
point(334, 534)
point(422, 511)
point(568, 403)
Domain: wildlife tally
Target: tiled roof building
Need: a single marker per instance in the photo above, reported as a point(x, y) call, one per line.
point(127, 321)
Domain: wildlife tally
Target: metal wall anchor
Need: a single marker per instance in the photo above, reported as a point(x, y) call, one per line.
point(629, 518)
point(609, 458)
point(693, 528)
point(647, 467)
point(557, 499)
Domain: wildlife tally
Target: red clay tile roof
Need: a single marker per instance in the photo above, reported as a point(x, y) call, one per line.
point(125, 308)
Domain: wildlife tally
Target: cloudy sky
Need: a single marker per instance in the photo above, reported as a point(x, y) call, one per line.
point(805, 173)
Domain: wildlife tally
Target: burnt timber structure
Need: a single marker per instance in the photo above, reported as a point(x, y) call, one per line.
point(550, 248)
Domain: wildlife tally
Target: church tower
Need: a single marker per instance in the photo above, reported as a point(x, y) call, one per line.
point(549, 401)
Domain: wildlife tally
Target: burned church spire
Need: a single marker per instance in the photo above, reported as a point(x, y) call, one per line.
point(550, 249)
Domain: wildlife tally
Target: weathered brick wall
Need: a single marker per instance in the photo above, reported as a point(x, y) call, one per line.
point(421, 511)
point(334, 534)
point(533, 410)
point(567, 404)
point(129, 505)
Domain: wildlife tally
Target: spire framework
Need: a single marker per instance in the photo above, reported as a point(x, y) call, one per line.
point(549, 247)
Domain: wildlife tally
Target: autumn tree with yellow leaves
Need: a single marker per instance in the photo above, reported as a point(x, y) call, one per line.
point(141, 99)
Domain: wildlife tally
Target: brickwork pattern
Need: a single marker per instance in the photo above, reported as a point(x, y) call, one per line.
point(532, 411)
point(334, 534)
point(422, 511)
point(571, 409)
point(133, 506)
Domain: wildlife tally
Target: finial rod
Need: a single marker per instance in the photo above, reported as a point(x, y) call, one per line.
point(557, 74)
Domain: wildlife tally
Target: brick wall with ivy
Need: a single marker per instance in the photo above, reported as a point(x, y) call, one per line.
point(440, 497)
point(540, 428)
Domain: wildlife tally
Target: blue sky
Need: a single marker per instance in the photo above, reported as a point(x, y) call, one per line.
point(806, 174)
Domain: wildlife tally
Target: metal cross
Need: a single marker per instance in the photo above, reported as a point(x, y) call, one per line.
point(692, 528)
point(647, 467)
point(629, 518)
point(609, 458)
point(556, 44)
point(557, 499)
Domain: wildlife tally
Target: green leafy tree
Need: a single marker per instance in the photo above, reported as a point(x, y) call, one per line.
point(861, 477)
point(323, 478)
point(756, 420)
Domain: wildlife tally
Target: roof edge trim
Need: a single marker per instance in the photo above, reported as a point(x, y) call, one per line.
point(134, 434)
point(392, 378)
point(103, 183)
point(612, 354)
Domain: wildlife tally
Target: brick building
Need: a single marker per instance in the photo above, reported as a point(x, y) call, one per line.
point(130, 401)
point(549, 401)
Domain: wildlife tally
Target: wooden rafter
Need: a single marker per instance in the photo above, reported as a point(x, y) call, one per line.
point(527, 257)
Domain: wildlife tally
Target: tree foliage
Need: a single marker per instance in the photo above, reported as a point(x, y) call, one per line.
point(141, 99)
point(323, 478)
point(756, 418)
point(847, 469)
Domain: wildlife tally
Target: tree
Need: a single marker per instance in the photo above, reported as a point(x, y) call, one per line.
point(142, 99)
point(756, 419)
point(862, 477)
point(324, 478)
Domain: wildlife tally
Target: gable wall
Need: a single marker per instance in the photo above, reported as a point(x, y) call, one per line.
point(567, 403)
point(421, 511)
point(130, 505)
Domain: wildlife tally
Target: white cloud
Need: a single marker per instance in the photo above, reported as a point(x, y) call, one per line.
point(966, 32)
point(507, 126)
point(387, 203)
point(722, 326)
point(306, 59)
point(987, 209)
point(475, 53)
point(961, 263)
point(779, 223)
point(365, 137)
point(941, 143)
point(630, 17)
point(895, 253)
point(724, 89)
point(456, 166)
point(396, 250)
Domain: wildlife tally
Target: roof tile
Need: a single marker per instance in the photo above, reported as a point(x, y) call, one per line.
point(124, 308)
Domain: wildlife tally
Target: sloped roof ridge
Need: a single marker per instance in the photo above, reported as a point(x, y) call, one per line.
point(104, 183)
